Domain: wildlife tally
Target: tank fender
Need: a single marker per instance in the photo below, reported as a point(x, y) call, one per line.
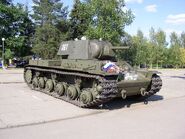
point(148, 74)
point(151, 73)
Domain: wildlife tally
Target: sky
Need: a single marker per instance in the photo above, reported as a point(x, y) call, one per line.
point(168, 15)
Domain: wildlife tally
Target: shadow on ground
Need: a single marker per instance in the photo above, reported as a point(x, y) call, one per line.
point(119, 103)
point(181, 77)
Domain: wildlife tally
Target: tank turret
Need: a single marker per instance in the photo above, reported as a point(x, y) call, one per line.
point(87, 49)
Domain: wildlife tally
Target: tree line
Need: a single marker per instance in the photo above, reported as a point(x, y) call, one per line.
point(155, 51)
point(40, 31)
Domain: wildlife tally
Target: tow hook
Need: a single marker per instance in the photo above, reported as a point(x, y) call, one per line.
point(143, 92)
point(123, 94)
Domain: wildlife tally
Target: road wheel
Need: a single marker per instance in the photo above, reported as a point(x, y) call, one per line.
point(28, 76)
point(86, 97)
point(72, 92)
point(41, 82)
point(59, 89)
point(35, 82)
point(49, 85)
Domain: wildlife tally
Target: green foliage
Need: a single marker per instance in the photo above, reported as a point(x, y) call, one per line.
point(174, 51)
point(182, 39)
point(139, 44)
point(182, 57)
point(48, 12)
point(108, 19)
point(161, 44)
point(8, 54)
point(46, 41)
point(79, 19)
point(63, 27)
point(127, 55)
point(16, 27)
point(154, 51)
point(149, 51)
point(49, 16)
point(6, 2)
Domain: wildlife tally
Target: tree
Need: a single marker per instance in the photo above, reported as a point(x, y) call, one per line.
point(8, 54)
point(48, 16)
point(182, 39)
point(48, 12)
point(139, 44)
point(16, 27)
point(79, 19)
point(46, 41)
point(20, 42)
point(160, 46)
point(152, 44)
point(129, 54)
point(157, 46)
point(150, 54)
point(174, 52)
point(182, 49)
point(6, 2)
point(107, 19)
point(182, 57)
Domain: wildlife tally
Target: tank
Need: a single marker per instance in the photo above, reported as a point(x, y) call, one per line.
point(88, 74)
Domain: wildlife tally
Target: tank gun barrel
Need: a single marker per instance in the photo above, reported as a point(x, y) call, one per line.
point(120, 47)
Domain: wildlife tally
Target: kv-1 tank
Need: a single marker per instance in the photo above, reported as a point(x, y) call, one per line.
point(88, 74)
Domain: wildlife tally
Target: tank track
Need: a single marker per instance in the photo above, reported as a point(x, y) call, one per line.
point(109, 90)
point(155, 85)
point(153, 88)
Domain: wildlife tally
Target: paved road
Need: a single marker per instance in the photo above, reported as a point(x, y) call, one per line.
point(21, 106)
point(30, 114)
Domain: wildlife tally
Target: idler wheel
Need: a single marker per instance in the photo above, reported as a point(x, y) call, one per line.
point(72, 92)
point(41, 82)
point(99, 88)
point(59, 89)
point(95, 94)
point(28, 76)
point(86, 97)
point(49, 85)
point(35, 82)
